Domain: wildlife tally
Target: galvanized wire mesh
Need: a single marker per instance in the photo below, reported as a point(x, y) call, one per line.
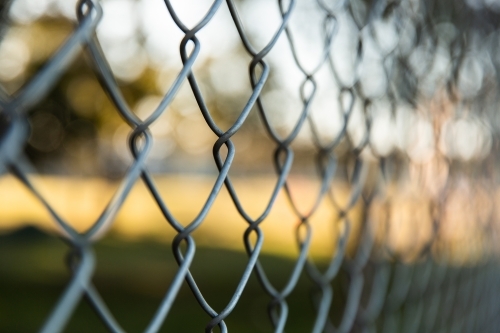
point(405, 53)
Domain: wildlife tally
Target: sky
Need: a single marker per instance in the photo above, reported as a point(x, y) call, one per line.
point(138, 34)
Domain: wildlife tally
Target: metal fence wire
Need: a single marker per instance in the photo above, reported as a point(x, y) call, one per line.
point(433, 64)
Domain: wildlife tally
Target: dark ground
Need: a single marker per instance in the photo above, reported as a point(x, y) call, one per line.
point(132, 278)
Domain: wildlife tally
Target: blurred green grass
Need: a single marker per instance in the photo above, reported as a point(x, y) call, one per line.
point(132, 278)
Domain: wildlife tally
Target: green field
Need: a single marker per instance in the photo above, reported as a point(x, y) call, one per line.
point(132, 278)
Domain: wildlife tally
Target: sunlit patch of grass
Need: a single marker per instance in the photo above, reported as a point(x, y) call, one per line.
point(401, 220)
point(80, 201)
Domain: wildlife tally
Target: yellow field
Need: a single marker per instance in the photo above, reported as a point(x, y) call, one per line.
point(463, 233)
point(79, 201)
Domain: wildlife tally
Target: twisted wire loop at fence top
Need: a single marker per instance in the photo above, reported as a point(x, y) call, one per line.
point(382, 292)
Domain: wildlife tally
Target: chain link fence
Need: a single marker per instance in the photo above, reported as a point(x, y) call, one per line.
point(397, 106)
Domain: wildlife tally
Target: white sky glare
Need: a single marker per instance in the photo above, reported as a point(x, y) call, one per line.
point(136, 34)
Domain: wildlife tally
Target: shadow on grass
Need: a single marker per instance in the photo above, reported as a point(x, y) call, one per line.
point(132, 278)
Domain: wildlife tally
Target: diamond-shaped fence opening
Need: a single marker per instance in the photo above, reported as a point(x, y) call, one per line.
point(322, 166)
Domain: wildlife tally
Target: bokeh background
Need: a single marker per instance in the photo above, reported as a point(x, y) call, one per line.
point(438, 140)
